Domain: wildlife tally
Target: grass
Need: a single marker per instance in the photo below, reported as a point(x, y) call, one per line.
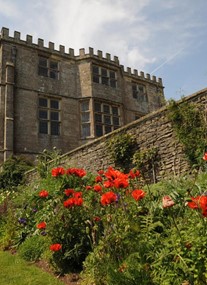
point(15, 271)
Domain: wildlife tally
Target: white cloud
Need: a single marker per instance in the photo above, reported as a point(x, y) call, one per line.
point(144, 34)
point(8, 9)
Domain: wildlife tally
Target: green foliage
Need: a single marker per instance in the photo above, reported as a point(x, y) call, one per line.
point(46, 160)
point(125, 241)
point(190, 127)
point(13, 171)
point(146, 161)
point(33, 248)
point(121, 148)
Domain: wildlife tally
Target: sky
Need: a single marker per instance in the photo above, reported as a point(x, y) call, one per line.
point(165, 38)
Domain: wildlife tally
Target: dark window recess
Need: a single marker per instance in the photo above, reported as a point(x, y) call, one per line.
point(48, 68)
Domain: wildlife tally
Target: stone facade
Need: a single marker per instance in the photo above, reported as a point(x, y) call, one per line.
point(152, 130)
point(55, 98)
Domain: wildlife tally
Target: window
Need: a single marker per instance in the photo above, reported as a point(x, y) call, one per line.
point(49, 116)
point(104, 76)
point(106, 118)
point(48, 67)
point(85, 119)
point(139, 92)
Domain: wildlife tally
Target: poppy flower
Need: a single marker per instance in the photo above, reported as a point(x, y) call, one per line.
point(97, 188)
point(138, 194)
point(167, 202)
point(98, 179)
point(120, 182)
point(69, 192)
point(43, 194)
point(58, 171)
point(55, 247)
point(41, 225)
point(108, 198)
point(69, 203)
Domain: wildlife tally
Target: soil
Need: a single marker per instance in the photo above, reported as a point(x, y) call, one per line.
point(68, 279)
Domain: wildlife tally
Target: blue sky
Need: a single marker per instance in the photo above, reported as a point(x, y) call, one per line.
point(166, 38)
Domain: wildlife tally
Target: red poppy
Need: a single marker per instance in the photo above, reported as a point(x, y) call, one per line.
point(194, 204)
point(97, 188)
point(55, 247)
point(43, 194)
point(69, 192)
point(78, 201)
point(120, 182)
point(77, 194)
point(108, 198)
point(138, 194)
point(100, 172)
point(107, 184)
point(58, 171)
point(41, 225)
point(69, 203)
point(133, 174)
point(167, 202)
point(98, 179)
point(76, 171)
point(205, 156)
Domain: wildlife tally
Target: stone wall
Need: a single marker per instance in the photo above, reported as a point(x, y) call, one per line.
point(153, 130)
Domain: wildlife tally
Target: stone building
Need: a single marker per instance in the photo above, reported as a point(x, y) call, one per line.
point(51, 97)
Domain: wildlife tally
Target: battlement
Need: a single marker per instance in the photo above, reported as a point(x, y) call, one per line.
point(16, 39)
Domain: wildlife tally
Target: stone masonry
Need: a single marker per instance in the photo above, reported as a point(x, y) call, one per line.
point(53, 98)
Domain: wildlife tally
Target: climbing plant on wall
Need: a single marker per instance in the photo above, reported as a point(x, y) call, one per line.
point(190, 127)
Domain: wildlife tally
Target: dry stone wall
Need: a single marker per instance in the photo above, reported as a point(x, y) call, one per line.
point(153, 130)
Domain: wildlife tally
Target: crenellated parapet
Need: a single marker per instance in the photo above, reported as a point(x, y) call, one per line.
point(70, 54)
point(140, 75)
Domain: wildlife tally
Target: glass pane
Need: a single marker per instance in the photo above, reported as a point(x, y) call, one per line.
point(43, 71)
point(54, 104)
point(105, 80)
point(43, 114)
point(112, 75)
point(55, 128)
point(85, 117)
point(115, 111)
point(54, 65)
point(103, 72)
point(99, 130)
point(84, 106)
point(106, 109)
point(96, 78)
point(53, 74)
point(107, 120)
point(43, 102)
point(97, 107)
point(115, 121)
point(54, 116)
point(141, 88)
point(43, 61)
point(134, 93)
point(85, 131)
point(43, 127)
point(98, 118)
point(95, 69)
point(108, 129)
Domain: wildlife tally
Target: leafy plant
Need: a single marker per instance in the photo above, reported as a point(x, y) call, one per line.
point(13, 171)
point(121, 148)
point(190, 127)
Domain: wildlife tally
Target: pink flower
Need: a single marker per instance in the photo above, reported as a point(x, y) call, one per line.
point(167, 202)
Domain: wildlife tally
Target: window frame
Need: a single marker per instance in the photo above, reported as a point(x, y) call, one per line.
point(85, 124)
point(50, 69)
point(104, 76)
point(139, 92)
point(107, 116)
point(51, 124)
